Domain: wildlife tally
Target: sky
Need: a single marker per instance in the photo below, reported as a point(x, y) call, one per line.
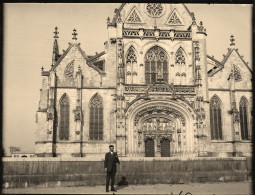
point(28, 43)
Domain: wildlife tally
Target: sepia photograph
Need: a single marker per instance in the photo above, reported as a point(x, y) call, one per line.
point(127, 98)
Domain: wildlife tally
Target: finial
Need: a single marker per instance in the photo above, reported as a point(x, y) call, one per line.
point(74, 34)
point(52, 65)
point(56, 33)
point(108, 20)
point(79, 68)
point(42, 68)
point(232, 40)
point(116, 10)
point(193, 18)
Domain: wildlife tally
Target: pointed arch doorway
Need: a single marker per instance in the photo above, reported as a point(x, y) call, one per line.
point(159, 128)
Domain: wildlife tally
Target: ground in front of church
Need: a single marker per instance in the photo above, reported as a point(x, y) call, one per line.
point(174, 189)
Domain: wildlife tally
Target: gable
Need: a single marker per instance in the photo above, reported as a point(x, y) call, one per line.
point(232, 63)
point(150, 15)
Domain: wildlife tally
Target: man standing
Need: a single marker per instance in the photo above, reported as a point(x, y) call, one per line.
point(111, 159)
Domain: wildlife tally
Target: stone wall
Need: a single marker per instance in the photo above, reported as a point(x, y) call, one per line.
point(18, 172)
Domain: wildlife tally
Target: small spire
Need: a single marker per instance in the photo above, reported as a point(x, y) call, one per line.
point(232, 40)
point(42, 68)
point(55, 53)
point(74, 34)
point(56, 33)
point(193, 18)
point(108, 20)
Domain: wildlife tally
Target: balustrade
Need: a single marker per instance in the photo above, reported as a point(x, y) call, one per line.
point(156, 33)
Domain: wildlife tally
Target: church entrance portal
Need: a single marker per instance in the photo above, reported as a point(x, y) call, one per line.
point(159, 129)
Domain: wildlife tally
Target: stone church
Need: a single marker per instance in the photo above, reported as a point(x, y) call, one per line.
point(153, 92)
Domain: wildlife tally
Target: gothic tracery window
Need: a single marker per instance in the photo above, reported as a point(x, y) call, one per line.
point(237, 73)
point(243, 119)
point(134, 17)
point(174, 19)
point(131, 66)
point(154, 9)
point(179, 57)
point(156, 65)
point(215, 118)
point(96, 118)
point(64, 118)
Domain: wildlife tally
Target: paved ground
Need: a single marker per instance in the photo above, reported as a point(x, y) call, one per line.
point(175, 189)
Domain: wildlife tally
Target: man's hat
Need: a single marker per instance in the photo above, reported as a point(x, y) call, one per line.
point(111, 146)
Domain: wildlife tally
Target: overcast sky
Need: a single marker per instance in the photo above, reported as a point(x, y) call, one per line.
point(28, 42)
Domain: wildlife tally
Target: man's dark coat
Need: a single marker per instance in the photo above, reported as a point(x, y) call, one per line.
point(110, 161)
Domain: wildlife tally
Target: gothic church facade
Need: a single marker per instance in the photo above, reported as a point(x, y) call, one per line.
point(153, 92)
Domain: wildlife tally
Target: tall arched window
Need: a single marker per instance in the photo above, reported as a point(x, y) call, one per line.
point(243, 118)
point(131, 67)
point(215, 118)
point(96, 118)
point(64, 118)
point(156, 65)
point(179, 57)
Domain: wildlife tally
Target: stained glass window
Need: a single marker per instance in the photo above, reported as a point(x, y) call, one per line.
point(156, 65)
point(243, 118)
point(215, 118)
point(96, 118)
point(64, 118)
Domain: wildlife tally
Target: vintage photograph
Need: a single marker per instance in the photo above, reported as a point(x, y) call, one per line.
point(127, 98)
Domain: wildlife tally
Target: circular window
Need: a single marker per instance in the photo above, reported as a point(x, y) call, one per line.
point(155, 9)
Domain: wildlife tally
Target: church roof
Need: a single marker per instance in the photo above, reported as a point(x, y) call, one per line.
point(220, 65)
point(92, 61)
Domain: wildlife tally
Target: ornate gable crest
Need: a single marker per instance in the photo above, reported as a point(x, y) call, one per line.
point(175, 19)
point(134, 16)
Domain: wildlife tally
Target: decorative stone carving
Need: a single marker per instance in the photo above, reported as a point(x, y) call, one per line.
point(77, 132)
point(131, 56)
point(131, 33)
point(237, 73)
point(50, 115)
point(149, 33)
point(77, 116)
point(159, 88)
point(134, 17)
point(164, 34)
point(174, 19)
point(159, 109)
point(237, 117)
point(154, 9)
point(179, 56)
point(156, 53)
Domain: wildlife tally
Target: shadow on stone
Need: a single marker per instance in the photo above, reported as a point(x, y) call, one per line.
point(122, 184)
